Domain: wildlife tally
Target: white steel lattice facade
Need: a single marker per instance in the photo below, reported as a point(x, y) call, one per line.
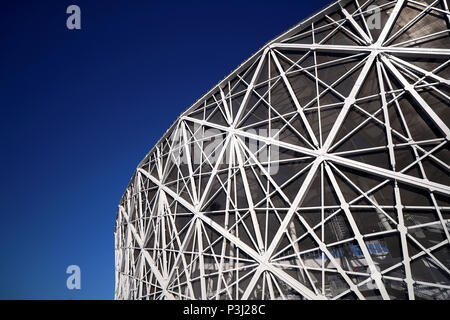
point(354, 204)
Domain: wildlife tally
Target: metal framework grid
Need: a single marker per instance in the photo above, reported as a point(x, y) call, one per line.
point(359, 207)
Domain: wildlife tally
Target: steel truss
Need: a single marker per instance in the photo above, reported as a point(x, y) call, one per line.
point(355, 201)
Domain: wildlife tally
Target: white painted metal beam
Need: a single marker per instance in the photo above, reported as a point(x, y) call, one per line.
point(407, 51)
point(423, 104)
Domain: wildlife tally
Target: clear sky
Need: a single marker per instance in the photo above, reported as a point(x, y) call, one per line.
point(80, 108)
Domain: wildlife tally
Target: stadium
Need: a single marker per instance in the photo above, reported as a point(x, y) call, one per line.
point(317, 169)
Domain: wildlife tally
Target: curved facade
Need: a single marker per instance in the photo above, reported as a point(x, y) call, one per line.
point(318, 169)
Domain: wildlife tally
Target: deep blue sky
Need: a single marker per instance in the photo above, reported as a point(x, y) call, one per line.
point(80, 109)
